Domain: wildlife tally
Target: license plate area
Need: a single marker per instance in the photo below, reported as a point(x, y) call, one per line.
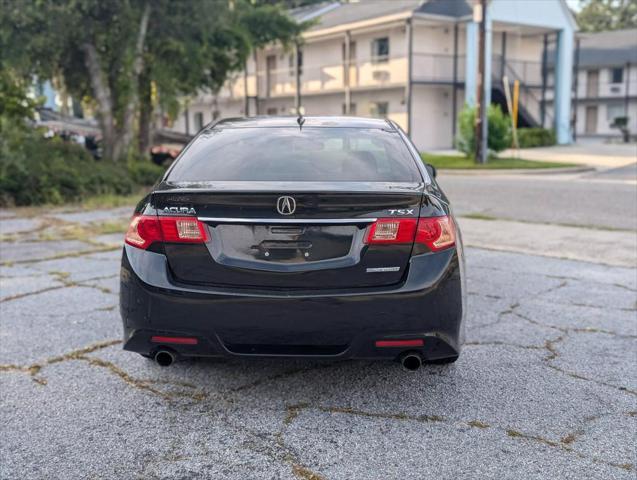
point(265, 247)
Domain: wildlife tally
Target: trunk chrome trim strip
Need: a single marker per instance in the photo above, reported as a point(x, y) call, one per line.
point(289, 220)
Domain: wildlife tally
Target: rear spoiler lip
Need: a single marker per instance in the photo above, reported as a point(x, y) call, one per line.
point(377, 188)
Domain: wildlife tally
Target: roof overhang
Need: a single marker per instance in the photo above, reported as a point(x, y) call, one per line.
point(362, 24)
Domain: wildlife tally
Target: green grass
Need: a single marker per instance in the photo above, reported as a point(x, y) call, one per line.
point(95, 202)
point(112, 200)
point(458, 162)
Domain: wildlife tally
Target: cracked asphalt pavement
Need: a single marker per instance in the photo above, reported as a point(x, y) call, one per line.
point(546, 386)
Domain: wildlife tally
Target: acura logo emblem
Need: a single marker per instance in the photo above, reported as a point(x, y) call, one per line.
point(286, 205)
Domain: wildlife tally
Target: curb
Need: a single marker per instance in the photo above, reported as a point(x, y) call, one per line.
point(517, 171)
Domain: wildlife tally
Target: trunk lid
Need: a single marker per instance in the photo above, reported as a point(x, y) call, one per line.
point(254, 240)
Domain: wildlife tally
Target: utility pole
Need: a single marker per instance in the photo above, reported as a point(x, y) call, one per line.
point(347, 71)
point(481, 130)
point(575, 87)
point(408, 89)
point(297, 77)
point(246, 98)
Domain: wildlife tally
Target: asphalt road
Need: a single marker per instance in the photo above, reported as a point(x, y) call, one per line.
point(605, 199)
point(546, 386)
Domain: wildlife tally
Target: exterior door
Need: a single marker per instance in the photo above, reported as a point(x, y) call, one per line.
point(591, 120)
point(592, 83)
point(270, 74)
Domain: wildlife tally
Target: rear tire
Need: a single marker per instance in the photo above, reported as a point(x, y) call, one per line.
point(443, 361)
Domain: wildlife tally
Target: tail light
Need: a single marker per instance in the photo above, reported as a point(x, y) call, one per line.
point(145, 230)
point(437, 233)
point(392, 231)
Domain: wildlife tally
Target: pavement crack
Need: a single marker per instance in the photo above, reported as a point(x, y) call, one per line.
point(304, 473)
point(146, 385)
point(34, 369)
point(81, 253)
point(82, 354)
point(598, 382)
point(30, 294)
point(568, 330)
point(293, 411)
point(63, 277)
point(565, 445)
point(549, 345)
point(285, 374)
point(497, 343)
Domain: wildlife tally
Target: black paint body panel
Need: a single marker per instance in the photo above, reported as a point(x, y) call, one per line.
point(312, 295)
point(344, 323)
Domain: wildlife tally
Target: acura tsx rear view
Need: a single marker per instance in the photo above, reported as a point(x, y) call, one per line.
point(326, 237)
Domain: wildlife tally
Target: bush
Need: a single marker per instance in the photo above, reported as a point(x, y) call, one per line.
point(499, 134)
point(35, 170)
point(536, 137)
point(144, 172)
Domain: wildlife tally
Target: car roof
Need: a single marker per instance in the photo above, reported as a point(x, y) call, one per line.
point(308, 121)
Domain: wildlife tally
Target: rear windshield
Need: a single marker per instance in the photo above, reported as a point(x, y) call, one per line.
point(289, 154)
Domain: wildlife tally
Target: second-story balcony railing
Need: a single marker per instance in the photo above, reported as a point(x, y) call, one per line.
point(376, 72)
point(437, 68)
point(390, 71)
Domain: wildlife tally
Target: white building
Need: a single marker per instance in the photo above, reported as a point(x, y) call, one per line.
point(413, 61)
point(606, 83)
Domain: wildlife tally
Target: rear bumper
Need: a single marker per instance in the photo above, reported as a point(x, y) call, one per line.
point(429, 305)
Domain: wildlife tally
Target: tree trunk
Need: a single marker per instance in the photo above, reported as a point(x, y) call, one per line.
point(116, 140)
point(126, 130)
point(146, 116)
point(103, 97)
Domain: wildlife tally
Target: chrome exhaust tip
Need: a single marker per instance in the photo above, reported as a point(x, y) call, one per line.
point(410, 361)
point(164, 358)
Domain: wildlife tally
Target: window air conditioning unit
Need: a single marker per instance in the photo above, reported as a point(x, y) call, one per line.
point(381, 76)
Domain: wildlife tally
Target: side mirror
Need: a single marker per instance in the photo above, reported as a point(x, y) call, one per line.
point(432, 170)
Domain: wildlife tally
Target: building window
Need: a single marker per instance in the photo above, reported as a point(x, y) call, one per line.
point(616, 75)
point(379, 109)
point(380, 50)
point(613, 111)
point(271, 111)
point(198, 121)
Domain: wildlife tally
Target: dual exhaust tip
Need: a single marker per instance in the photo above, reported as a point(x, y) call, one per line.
point(165, 358)
point(410, 361)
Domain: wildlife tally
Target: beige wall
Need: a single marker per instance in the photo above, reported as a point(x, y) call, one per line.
point(605, 113)
point(323, 78)
point(432, 117)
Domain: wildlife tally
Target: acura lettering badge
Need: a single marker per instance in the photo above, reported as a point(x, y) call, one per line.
point(286, 205)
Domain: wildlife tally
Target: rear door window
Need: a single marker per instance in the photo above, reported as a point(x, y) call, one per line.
point(310, 154)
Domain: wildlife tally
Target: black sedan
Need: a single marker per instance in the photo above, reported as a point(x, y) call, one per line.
point(322, 237)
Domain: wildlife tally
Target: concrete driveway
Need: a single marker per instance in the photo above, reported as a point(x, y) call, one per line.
point(546, 386)
point(594, 154)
